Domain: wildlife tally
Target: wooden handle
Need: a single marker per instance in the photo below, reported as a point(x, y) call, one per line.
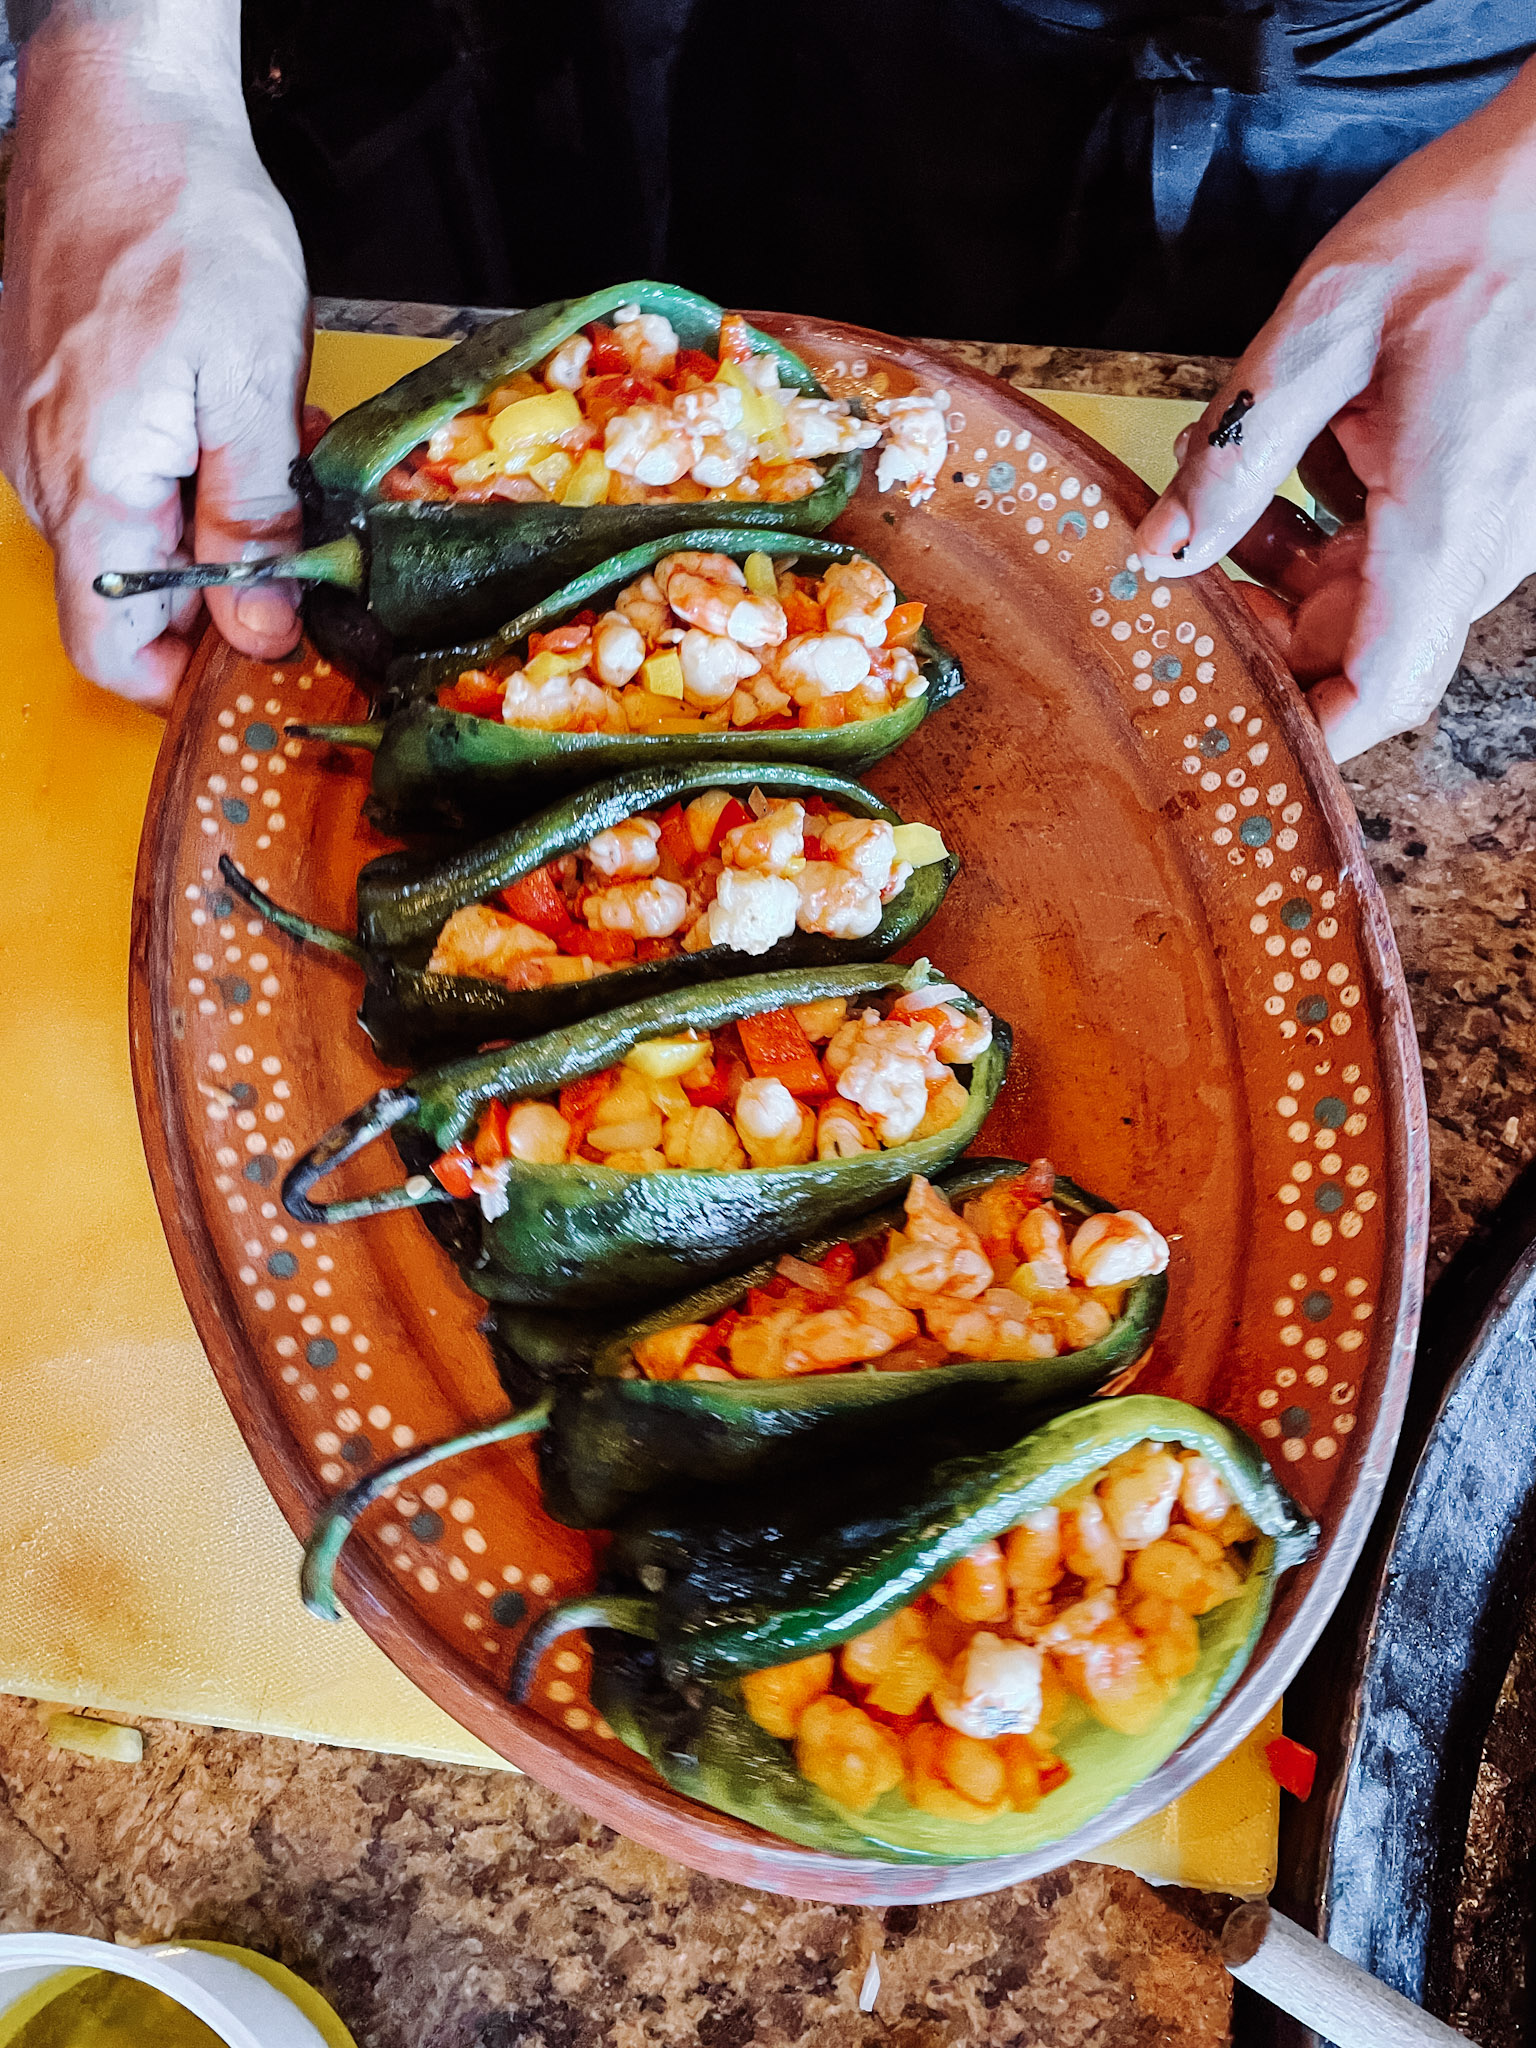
point(1324, 1990)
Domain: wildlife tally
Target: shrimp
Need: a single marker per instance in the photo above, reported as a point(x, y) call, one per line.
point(723, 459)
point(751, 912)
point(824, 426)
point(994, 1687)
point(957, 1038)
point(1113, 1248)
point(711, 409)
point(773, 843)
point(866, 847)
point(649, 910)
point(931, 1219)
point(835, 903)
point(645, 607)
point(618, 649)
point(562, 703)
point(625, 852)
point(865, 1324)
point(713, 667)
point(858, 598)
point(564, 370)
point(710, 591)
point(648, 444)
point(995, 1325)
point(885, 1069)
point(916, 443)
point(842, 1132)
point(1042, 1242)
point(1138, 1492)
point(821, 665)
point(1089, 1546)
point(486, 944)
point(772, 1125)
point(649, 340)
point(786, 481)
point(914, 1273)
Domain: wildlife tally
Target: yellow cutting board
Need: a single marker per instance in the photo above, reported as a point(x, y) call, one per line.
point(145, 1570)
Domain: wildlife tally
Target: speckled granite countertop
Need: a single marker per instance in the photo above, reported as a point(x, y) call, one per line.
point(449, 1908)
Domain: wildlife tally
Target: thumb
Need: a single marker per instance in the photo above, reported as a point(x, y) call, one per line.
point(246, 506)
point(1315, 354)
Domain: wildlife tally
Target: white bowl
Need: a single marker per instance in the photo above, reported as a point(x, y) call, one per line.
point(243, 2009)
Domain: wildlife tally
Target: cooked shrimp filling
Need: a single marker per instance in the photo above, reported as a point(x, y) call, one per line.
point(707, 644)
point(954, 1700)
point(1009, 1277)
point(765, 1091)
point(714, 872)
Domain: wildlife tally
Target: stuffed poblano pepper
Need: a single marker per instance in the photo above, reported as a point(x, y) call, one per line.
point(551, 439)
point(658, 1145)
point(696, 647)
point(994, 1292)
point(948, 1662)
point(653, 881)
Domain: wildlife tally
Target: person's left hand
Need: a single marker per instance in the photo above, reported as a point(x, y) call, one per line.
point(1412, 328)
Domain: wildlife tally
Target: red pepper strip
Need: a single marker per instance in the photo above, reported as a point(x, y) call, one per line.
point(453, 1169)
point(692, 362)
point(607, 358)
point(903, 623)
point(475, 692)
point(709, 1092)
point(777, 1049)
point(677, 839)
point(731, 816)
point(490, 1144)
point(735, 342)
point(536, 900)
point(1292, 1765)
point(841, 1264)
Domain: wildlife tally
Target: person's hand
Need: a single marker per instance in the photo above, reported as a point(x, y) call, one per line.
point(1412, 328)
point(153, 327)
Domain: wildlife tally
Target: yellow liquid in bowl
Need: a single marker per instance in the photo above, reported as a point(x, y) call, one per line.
point(100, 2010)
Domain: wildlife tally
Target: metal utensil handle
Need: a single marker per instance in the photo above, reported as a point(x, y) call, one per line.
point(1324, 1990)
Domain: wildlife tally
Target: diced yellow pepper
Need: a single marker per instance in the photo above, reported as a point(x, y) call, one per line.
point(680, 725)
point(762, 416)
point(661, 1059)
point(664, 675)
point(762, 580)
point(477, 469)
point(545, 666)
point(587, 483)
point(919, 845)
point(527, 422)
point(551, 471)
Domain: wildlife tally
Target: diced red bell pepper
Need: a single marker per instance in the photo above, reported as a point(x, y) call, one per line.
point(903, 623)
point(581, 1100)
point(840, 1264)
point(1053, 1774)
point(731, 816)
point(1292, 1765)
point(814, 850)
point(609, 947)
point(777, 1049)
point(735, 341)
point(761, 1301)
point(536, 900)
point(653, 949)
point(693, 365)
point(604, 397)
point(490, 1145)
point(802, 613)
point(452, 1171)
point(707, 1091)
point(607, 358)
point(781, 723)
point(677, 839)
point(482, 696)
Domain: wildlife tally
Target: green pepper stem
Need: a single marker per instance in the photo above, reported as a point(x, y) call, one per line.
point(289, 921)
point(370, 737)
point(632, 1617)
point(335, 561)
point(317, 1575)
point(344, 1141)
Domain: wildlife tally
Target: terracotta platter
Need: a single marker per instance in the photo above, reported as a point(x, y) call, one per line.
point(1163, 889)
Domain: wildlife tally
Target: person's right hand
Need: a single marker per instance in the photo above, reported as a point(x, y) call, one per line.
point(153, 328)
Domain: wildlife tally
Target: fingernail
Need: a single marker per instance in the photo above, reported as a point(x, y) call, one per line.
point(264, 614)
point(1166, 530)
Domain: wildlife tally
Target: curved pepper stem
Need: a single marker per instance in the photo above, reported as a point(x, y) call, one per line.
point(368, 737)
point(288, 920)
point(632, 1617)
point(341, 1143)
point(317, 1575)
point(336, 561)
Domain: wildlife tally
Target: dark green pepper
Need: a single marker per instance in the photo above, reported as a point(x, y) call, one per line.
point(701, 1605)
point(402, 905)
point(588, 1236)
point(614, 1438)
point(429, 571)
point(435, 767)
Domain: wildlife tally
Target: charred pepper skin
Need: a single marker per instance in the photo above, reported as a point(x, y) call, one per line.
point(697, 1606)
point(435, 769)
point(587, 1237)
point(435, 571)
point(615, 1442)
point(414, 1015)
